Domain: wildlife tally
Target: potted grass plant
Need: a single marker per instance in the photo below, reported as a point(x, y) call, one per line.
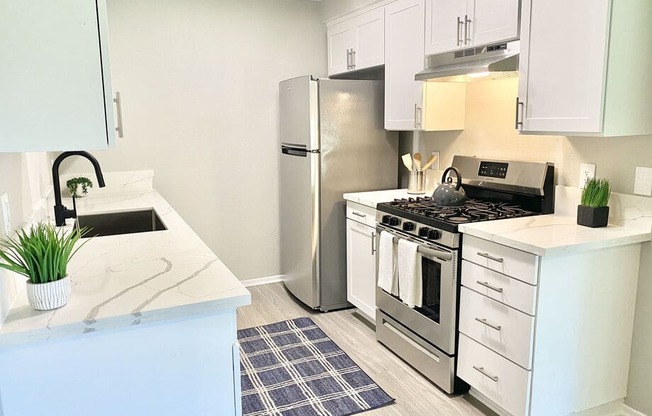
point(593, 210)
point(42, 254)
point(78, 187)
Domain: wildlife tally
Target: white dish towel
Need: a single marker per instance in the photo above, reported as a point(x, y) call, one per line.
point(409, 273)
point(386, 264)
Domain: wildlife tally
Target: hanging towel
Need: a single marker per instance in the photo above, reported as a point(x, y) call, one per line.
point(409, 273)
point(386, 264)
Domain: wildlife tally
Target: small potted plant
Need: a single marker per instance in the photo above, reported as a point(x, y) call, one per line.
point(42, 254)
point(75, 184)
point(593, 210)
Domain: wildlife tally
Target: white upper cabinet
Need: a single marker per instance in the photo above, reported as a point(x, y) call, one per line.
point(459, 24)
point(410, 104)
point(585, 69)
point(356, 43)
point(55, 90)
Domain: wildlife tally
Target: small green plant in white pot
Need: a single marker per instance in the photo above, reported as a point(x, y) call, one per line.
point(42, 254)
point(78, 187)
point(593, 210)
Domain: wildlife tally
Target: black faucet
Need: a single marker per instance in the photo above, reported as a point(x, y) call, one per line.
point(60, 211)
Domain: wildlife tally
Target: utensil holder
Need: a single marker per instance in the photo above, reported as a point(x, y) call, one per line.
point(416, 182)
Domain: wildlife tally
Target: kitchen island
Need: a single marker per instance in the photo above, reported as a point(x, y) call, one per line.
point(150, 328)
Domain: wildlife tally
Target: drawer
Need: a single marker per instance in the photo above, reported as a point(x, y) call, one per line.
point(506, 260)
point(497, 326)
point(500, 380)
point(504, 289)
point(361, 213)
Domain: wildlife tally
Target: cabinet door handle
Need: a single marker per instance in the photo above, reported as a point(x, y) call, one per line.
point(484, 373)
point(490, 325)
point(488, 286)
point(419, 115)
point(490, 257)
point(348, 59)
point(357, 214)
point(467, 30)
point(459, 26)
point(415, 115)
point(373, 243)
point(519, 120)
point(352, 58)
point(118, 109)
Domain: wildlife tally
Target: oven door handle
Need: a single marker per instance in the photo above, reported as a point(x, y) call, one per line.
point(429, 252)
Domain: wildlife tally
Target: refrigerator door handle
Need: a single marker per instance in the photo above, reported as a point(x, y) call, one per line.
point(293, 151)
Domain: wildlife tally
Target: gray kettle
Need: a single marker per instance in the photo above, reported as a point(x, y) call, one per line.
point(448, 194)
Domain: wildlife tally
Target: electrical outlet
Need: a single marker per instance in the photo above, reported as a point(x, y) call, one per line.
point(435, 164)
point(643, 181)
point(4, 210)
point(587, 171)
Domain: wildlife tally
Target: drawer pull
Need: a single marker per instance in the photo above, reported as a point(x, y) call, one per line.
point(490, 257)
point(484, 373)
point(484, 321)
point(357, 214)
point(488, 286)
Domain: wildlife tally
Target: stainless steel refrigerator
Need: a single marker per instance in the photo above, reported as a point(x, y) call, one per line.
point(332, 142)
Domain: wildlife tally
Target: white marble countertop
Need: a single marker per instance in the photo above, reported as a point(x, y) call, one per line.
point(126, 280)
point(372, 198)
point(553, 235)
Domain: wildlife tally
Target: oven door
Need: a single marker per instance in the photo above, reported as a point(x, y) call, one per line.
point(435, 320)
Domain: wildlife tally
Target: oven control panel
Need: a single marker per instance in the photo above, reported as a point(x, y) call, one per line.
point(420, 231)
point(493, 169)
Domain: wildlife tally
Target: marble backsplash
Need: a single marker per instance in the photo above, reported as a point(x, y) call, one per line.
point(632, 211)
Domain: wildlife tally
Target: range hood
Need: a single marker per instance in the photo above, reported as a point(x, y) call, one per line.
point(497, 61)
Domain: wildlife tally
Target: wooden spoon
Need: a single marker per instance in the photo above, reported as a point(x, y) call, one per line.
point(430, 161)
point(407, 161)
point(417, 161)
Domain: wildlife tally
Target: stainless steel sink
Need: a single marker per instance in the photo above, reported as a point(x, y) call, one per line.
point(123, 222)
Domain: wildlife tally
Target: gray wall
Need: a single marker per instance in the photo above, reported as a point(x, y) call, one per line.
point(199, 80)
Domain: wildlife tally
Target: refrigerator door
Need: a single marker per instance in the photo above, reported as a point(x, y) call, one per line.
point(299, 123)
point(299, 188)
point(357, 154)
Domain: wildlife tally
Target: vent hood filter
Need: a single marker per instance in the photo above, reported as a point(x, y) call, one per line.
point(496, 61)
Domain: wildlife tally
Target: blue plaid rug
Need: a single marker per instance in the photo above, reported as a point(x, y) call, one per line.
point(292, 368)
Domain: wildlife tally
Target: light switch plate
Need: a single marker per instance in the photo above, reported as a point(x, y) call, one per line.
point(587, 171)
point(4, 211)
point(643, 181)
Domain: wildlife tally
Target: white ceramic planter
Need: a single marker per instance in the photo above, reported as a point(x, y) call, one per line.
point(51, 295)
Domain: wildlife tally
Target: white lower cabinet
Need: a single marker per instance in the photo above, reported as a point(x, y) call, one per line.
point(361, 258)
point(497, 378)
point(546, 335)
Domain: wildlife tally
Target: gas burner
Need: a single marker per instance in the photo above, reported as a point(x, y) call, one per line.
point(425, 210)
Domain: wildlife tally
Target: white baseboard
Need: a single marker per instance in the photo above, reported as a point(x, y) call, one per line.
point(628, 411)
point(615, 408)
point(262, 280)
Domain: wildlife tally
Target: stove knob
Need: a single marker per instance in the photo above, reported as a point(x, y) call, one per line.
point(385, 219)
point(433, 235)
point(423, 231)
point(394, 221)
point(408, 226)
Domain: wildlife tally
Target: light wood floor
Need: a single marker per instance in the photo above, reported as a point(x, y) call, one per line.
point(415, 396)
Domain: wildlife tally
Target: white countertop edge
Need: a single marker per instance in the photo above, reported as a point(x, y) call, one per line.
point(123, 322)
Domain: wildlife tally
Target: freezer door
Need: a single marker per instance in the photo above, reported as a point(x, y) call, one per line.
point(300, 223)
point(298, 108)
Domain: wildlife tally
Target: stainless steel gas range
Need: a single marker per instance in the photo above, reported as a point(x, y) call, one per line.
point(426, 336)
